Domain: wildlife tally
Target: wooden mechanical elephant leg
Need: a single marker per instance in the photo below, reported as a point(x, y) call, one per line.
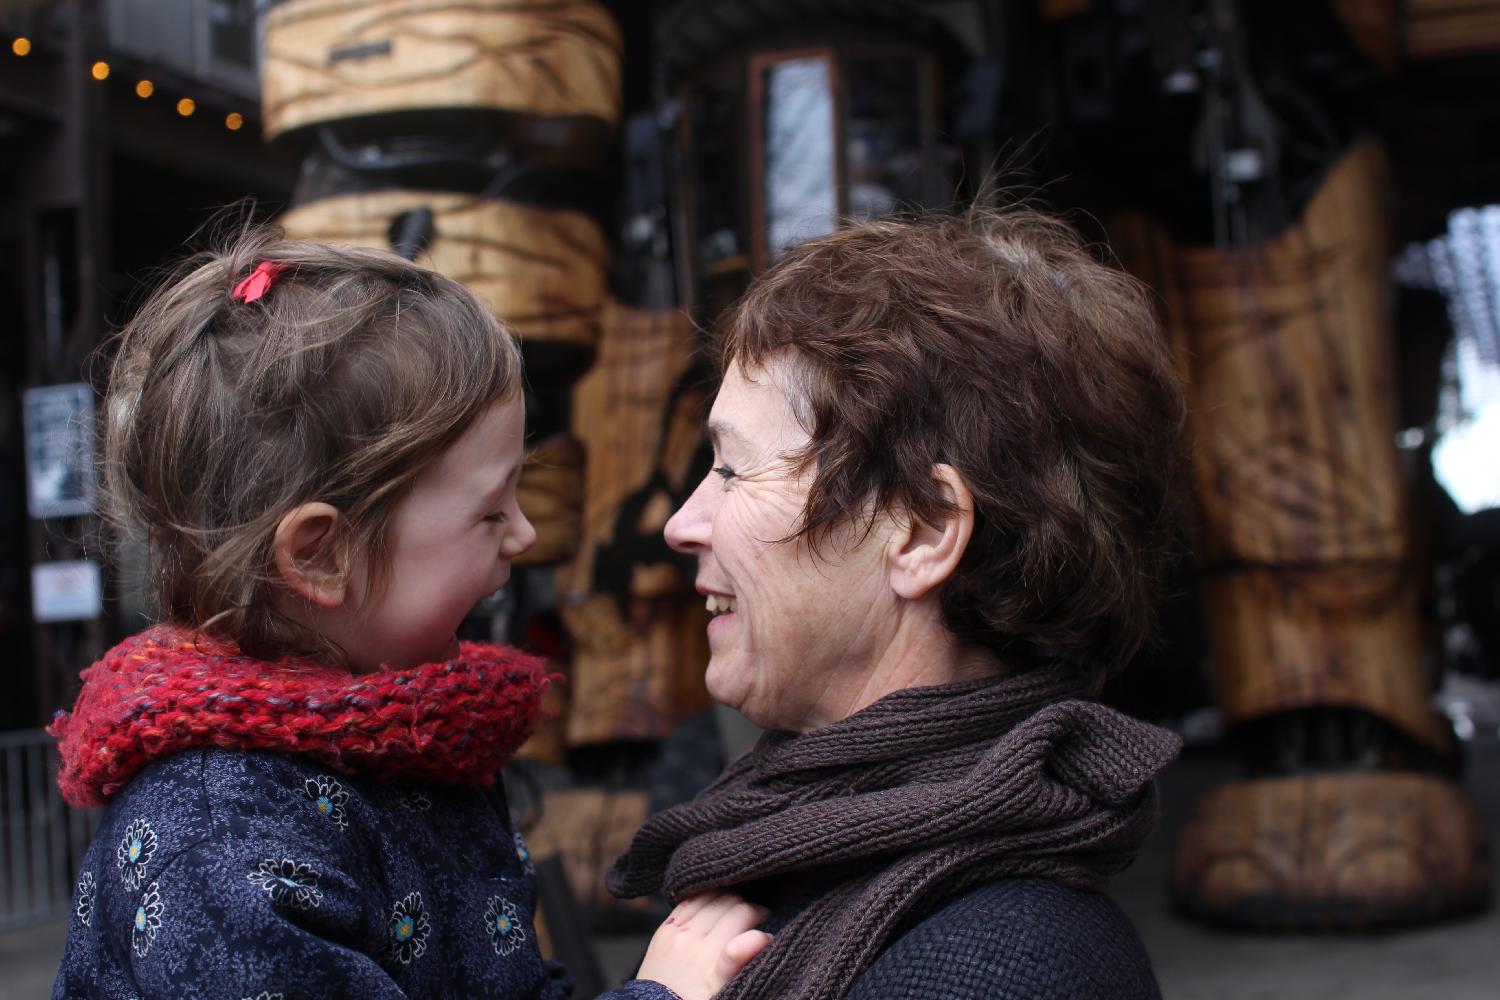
point(1347, 818)
point(394, 63)
point(638, 628)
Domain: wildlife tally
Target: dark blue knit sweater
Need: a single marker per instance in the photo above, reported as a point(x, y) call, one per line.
point(1016, 939)
point(227, 874)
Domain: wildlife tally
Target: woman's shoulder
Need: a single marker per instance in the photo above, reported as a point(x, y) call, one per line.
point(1024, 939)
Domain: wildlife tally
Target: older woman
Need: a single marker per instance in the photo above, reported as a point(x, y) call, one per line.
point(945, 457)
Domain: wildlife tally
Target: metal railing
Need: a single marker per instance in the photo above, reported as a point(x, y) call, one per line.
point(42, 839)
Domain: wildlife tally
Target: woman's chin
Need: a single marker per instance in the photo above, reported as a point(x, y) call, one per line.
point(725, 684)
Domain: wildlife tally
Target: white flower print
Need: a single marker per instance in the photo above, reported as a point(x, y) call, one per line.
point(328, 798)
point(504, 925)
point(85, 905)
point(523, 854)
point(288, 883)
point(409, 929)
point(135, 852)
point(266, 995)
point(147, 922)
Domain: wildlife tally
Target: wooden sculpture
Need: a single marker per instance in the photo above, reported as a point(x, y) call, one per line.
point(336, 60)
point(1441, 28)
point(1309, 594)
point(638, 628)
point(540, 270)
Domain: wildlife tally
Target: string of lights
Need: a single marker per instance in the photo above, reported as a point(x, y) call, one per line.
point(145, 89)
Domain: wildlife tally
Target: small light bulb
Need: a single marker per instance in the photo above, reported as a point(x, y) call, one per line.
point(145, 88)
point(186, 106)
point(233, 121)
point(21, 46)
point(100, 70)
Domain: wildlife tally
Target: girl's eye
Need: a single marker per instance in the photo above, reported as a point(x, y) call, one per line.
point(724, 472)
point(496, 518)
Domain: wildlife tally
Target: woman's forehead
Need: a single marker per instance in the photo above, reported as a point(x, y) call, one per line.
point(752, 407)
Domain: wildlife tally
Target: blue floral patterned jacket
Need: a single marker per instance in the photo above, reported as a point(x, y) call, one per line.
point(231, 875)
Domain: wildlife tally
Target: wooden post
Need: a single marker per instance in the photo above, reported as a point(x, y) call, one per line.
point(335, 60)
point(638, 628)
point(542, 271)
point(1309, 590)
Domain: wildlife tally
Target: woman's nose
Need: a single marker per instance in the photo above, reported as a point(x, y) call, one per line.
point(688, 530)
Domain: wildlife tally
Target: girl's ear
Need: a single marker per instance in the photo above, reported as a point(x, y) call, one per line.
point(925, 555)
point(308, 556)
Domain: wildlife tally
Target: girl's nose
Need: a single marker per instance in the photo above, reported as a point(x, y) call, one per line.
point(520, 538)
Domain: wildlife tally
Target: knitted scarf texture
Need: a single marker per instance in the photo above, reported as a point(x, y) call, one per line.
point(902, 807)
point(169, 689)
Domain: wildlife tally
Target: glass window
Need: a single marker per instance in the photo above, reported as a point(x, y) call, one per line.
point(801, 164)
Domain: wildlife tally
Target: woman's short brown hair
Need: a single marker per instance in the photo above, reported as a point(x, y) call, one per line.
point(340, 384)
point(993, 341)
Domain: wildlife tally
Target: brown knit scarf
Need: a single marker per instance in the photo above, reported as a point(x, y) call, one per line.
point(908, 803)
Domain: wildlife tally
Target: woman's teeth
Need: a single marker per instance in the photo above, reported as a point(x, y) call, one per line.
point(720, 605)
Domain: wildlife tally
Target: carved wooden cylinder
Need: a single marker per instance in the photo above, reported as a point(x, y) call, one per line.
point(640, 645)
point(337, 60)
point(1437, 29)
point(1332, 851)
point(1285, 347)
point(540, 270)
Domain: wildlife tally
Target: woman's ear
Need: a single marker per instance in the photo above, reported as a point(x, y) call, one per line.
point(308, 556)
point(925, 555)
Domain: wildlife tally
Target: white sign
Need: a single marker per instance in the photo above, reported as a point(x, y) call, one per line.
point(66, 591)
point(59, 423)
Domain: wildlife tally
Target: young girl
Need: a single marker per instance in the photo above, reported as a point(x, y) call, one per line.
point(319, 447)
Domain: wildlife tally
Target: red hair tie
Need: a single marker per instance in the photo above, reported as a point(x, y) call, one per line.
point(258, 282)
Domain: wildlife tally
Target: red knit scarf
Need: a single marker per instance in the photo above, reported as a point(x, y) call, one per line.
point(169, 689)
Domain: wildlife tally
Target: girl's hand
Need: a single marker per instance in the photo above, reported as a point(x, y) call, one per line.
point(703, 944)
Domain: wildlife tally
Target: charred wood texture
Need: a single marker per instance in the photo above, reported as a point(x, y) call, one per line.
point(1309, 585)
point(328, 60)
point(1303, 535)
point(542, 271)
point(638, 629)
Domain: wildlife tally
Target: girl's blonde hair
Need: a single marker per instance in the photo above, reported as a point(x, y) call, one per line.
point(352, 372)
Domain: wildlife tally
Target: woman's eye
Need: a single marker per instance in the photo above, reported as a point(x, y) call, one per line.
point(496, 518)
point(724, 472)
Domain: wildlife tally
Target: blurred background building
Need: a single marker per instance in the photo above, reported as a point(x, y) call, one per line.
point(1312, 189)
